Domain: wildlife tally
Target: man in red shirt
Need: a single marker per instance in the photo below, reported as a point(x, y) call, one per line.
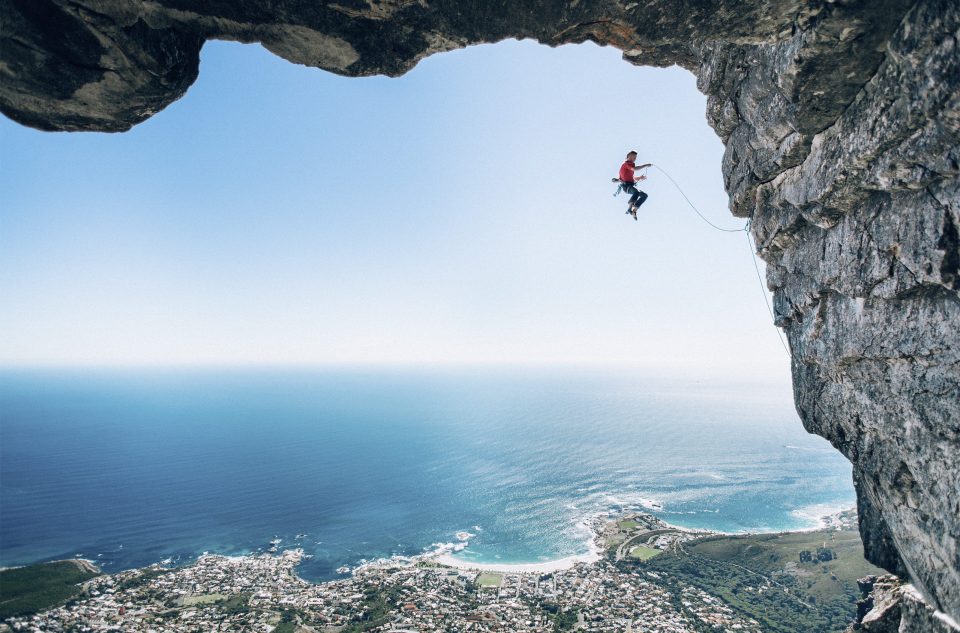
point(628, 180)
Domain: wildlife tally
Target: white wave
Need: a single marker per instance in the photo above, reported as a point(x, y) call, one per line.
point(650, 504)
point(810, 448)
point(542, 567)
point(399, 560)
point(614, 500)
point(815, 515)
point(440, 548)
point(630, 500)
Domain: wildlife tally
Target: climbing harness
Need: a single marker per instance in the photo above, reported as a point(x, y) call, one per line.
point(745, 229)
point(622, 186)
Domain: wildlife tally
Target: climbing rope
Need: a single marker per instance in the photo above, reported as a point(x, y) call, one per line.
point(695, 210)
point(763, 289)
point(753, 252)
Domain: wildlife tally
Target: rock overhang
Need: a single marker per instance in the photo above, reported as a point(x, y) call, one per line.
point(841, 122)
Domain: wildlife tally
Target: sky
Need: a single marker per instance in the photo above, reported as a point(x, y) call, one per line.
point(460, 214)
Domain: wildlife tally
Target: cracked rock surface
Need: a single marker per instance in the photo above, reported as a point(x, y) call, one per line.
point(841, 122)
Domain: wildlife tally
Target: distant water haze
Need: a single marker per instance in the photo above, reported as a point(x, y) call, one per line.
point(129, 468)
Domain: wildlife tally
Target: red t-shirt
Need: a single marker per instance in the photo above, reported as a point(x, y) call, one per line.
point(626, 171)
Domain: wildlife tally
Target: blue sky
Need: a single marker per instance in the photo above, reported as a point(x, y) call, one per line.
point(463, 213)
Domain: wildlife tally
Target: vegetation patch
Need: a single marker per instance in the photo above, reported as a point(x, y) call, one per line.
point(836, 570)
point(762, 577)
point(209, 598)
point(377, 604)
point(288, 622)
point(642, 552)
point(432, 564)
point(562, 619)
point(143, 577)
point(34, 588)
point(487, 579)
point(614, 540)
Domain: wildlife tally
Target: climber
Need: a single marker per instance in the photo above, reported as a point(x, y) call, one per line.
point(628, 183)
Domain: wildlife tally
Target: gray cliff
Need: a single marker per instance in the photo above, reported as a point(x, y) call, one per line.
point(841, 121)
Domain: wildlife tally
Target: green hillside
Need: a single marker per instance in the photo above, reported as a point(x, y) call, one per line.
point(763, 577)
point(27, 590)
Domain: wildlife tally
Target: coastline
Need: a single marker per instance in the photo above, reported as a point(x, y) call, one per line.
point(614, 579)
point(444, 554)
point(843, 519)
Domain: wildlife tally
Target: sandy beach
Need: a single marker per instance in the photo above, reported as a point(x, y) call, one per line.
point(545, 567)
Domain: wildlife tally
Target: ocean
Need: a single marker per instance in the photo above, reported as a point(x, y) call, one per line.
point(129, 468)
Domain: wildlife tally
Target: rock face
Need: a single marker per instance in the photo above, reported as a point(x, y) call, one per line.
point(841, 121)
point(891, 607)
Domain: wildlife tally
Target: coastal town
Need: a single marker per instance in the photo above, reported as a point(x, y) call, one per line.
point(262, 593)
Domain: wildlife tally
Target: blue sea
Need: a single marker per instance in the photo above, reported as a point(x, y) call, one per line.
point(133, 467)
